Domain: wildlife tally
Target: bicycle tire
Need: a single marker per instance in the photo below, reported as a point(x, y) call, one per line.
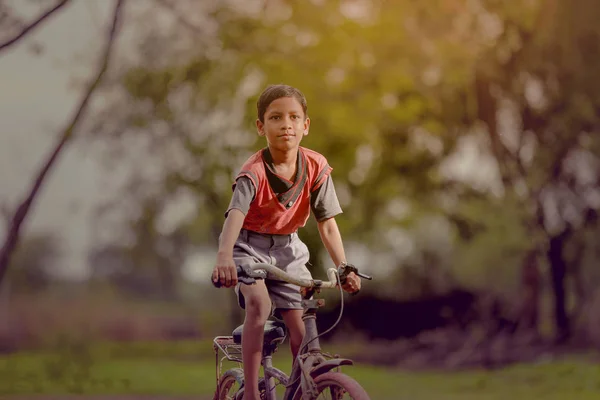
point(228, 380)
point(337, 381)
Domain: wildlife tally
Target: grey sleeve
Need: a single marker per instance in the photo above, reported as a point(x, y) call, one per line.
point(243, 194)
point(324, 201)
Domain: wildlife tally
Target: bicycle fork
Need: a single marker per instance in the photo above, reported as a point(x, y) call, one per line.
point(310, 353)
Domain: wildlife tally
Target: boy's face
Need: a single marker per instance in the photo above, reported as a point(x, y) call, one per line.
point(284, 124)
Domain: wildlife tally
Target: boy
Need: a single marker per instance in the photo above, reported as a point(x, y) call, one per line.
point(273, 195)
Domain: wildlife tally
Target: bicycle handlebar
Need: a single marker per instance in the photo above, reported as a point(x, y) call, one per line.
point(249, 274)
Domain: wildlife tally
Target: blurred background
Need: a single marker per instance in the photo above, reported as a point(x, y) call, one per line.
point(464, 140)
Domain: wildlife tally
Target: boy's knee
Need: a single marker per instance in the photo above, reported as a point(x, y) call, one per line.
point(257, 304)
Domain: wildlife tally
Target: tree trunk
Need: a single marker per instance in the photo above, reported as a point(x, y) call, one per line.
point(558, 270)
point(530, 280)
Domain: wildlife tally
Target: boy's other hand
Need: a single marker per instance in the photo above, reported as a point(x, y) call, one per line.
point(225, 272)
point(352, 284)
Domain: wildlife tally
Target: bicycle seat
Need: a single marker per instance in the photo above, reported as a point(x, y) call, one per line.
point(274, 330)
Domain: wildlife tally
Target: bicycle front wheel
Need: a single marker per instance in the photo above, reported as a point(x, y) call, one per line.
point(336, 386)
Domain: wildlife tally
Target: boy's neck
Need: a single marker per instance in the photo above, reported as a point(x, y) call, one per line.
point(287, 158)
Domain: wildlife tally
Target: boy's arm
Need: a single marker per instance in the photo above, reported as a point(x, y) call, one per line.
point(332, 240)
point(243, 195)
point(325, 206)
point(225, 267)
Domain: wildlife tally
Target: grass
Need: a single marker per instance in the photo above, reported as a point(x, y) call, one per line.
point(188, 368)
point(551, 381)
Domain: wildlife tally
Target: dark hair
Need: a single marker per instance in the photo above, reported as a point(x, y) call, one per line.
point(274, 92)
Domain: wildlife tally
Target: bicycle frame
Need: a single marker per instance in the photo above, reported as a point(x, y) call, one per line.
point(311, 361)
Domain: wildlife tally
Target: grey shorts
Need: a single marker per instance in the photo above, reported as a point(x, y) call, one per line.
point(287, 252)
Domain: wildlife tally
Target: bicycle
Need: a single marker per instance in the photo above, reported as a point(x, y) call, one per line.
point(313, 370)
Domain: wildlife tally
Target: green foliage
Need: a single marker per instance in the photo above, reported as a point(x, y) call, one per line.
point(392, 90)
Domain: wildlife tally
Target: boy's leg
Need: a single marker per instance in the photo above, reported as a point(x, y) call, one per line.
point(291, 255)
point(295, 325)
point(258, 308)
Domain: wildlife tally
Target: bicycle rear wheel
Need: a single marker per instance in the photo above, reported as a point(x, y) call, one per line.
point(230, 384)
point(336, 386)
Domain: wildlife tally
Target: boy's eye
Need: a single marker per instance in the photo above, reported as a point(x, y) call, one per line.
point(275, 117)
point(295, 117)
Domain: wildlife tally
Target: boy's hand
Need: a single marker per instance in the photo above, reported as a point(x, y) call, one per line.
point(225, 272)
point(352, 284)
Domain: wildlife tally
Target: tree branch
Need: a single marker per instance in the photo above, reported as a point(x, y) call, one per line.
point(19, 216)
point(36, 23)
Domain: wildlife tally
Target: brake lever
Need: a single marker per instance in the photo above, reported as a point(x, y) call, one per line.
point(347, 268)
point(364, 276)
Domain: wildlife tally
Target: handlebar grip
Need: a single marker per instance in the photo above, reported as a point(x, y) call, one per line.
point(247, 280)
point(243, 277)
point(240, 276)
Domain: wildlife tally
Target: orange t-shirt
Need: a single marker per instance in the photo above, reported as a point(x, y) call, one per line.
point(282, 213)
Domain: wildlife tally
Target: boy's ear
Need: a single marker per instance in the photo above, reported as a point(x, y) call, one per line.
point(260, 127)
point(306, 126)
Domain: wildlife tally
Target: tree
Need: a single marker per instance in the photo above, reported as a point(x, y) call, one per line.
point(64, 138)
point(385, 126)
point(389, 110)
point(187, 97)
point(545, 84)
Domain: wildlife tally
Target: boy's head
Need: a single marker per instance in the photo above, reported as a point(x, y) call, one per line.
point(282, 118)
point(274, 92)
